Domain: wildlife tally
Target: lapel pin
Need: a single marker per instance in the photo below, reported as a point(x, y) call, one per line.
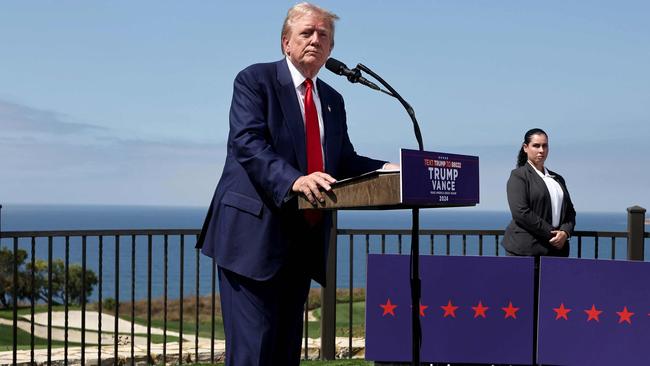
point(329, 109)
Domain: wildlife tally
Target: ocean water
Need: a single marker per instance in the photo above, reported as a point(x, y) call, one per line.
point(67, 217)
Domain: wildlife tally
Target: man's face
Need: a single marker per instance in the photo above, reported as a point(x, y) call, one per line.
point(308, 44)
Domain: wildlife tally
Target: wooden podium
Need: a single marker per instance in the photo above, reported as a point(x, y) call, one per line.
point(378, 190)
point(372, 191)
point(427, 179)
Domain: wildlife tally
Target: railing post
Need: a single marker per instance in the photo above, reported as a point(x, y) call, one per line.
point(635, 232)
point(328, 299)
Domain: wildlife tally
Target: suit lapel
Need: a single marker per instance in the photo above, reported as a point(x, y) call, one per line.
point(541, 185)
point(291, 110)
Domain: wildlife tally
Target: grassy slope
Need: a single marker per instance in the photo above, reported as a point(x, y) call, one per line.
point(6, 340)
point(205, 322)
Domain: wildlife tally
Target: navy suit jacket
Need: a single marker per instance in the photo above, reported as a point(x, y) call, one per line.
point(530, 204)
point(253, 224)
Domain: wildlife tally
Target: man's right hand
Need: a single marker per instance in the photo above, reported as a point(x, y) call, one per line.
point(310, 186)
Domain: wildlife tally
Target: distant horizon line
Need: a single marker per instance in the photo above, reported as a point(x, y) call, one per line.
point(205, 207)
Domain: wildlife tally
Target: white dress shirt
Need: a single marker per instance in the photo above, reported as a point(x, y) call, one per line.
point(556, 193)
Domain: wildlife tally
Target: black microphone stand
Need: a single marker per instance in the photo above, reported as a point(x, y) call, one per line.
point(416, 293)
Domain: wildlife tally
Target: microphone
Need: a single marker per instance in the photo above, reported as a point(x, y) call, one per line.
point(354, 75)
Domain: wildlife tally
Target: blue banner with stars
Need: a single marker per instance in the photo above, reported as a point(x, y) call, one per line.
point(473, 309)
point(594, 312)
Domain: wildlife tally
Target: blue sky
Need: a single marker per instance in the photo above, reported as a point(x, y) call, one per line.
point(127, 102)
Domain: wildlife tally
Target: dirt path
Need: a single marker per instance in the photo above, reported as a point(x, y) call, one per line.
point(92, 328)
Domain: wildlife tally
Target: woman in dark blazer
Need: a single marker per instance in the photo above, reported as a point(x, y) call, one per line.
point(543, 216)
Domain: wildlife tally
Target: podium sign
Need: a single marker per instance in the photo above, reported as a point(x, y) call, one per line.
point(436, 178)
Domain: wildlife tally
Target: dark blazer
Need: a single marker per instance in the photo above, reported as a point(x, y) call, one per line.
point(253, 224)
point(530, 204)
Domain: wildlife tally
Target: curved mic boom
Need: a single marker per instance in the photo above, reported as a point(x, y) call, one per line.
point(353, 75)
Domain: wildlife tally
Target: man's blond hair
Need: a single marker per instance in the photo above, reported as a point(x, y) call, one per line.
point(302, 9)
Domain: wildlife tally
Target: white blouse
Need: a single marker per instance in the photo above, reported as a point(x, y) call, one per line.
point(556, 193)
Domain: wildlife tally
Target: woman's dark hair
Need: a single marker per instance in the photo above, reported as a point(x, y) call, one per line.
point(522, 158)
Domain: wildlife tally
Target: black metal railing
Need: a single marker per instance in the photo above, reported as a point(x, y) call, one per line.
point(149, 260)
point(33, 241)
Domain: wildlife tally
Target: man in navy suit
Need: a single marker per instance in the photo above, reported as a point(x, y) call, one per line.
point(267, 251)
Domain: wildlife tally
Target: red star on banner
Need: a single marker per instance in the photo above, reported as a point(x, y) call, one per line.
point(511, 311)
point(593, 313)
point(625, 315)
point(561, 312)
point(450, 310)
point(388, 308)
point(422, 309)
point(479, 310)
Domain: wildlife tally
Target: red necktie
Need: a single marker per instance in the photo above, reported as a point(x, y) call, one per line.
point(314, 150)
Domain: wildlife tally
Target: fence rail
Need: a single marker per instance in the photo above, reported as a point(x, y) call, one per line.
point(127, 247)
